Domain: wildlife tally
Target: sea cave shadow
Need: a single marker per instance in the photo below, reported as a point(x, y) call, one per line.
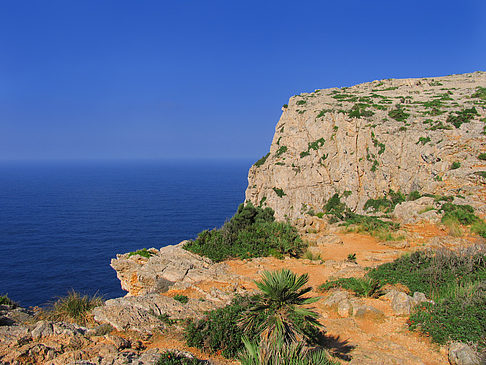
point(336, 346)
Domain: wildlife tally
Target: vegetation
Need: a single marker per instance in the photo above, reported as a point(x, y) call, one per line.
point(360, 223)
point(363, 287)
point(387, 203)
point(279, 192)
point(359, 110)
point(281, 354)
point(173, 358)
point(482, 156)
point(251, 232)
point(281, 150)
point(480, 93)
point(423, 140)
point(219, 330)
point(277, 312)
point(274, 316)
point(463, 116)
point(143, 252)
point(455, 280)
point(398, 114)
point(262, 160)
point(455, 165)
point(181, 298)
point(73, 308)
point(5, 300)
point(301, 102)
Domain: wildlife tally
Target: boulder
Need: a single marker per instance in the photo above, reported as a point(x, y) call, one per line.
point(462, 354)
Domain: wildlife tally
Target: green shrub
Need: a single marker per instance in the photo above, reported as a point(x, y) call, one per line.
point(279, 192)
point(480, 93)
point(143, 252)
point(359, 110)
point(479, 227)
point(219, 329)
point(281, 353)
point(5, 300)
point(363, 287)
point(335, 207)
point(457, 317)
point(173, 358)
point(73, 308)
point(463, 116)
point(414, 195)
point(464, 214)
point(262, 160)
point(251, 232)
point(398, 114)
point(455, 165)
point(301, 102)
point(181, 298)
point(423, 140)
point(304, 154)
point(285, 106)
point(281, 150)
point(482, 156)
point(432, 273)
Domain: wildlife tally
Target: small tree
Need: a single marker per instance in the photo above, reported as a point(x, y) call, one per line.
point(280, 302)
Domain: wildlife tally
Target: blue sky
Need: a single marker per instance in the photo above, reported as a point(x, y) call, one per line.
point(204, 79)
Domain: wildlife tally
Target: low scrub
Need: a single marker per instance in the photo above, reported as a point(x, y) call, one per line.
point(251, 232)
point(363, 287)
point(277, 314)
point(174, 358)
point(74, 307)
point(5, 300)
point(143, 252)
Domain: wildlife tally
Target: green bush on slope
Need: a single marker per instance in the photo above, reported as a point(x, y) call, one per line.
point(251, 232)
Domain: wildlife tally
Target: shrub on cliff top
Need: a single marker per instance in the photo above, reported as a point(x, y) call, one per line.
point(74, 307)
point(251, 232)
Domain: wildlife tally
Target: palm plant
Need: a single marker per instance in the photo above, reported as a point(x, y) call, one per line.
point(280, 305)
point(281, 354)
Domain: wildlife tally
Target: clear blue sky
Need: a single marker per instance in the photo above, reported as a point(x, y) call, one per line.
point(191, 79)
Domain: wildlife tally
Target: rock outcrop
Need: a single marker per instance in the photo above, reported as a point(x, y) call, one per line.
point(413, 134)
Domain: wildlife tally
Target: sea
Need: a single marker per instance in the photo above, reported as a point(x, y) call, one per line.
point(62, 222)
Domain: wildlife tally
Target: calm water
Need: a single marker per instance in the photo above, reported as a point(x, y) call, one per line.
point(61, 223)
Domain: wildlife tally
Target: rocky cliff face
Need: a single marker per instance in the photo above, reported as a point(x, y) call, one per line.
point(423, 134)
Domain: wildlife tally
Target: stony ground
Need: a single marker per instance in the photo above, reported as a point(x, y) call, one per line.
point(357, 331)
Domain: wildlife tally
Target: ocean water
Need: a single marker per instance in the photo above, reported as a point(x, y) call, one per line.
point(61, 223)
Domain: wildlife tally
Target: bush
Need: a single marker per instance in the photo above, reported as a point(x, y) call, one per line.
point(181, 298)
point(251, 232)
point(455, 165)
point(73, 308)
point(143, 252)
point(5, 300)
point(482, 156)
point(464, 214)
point(463, 116)
point(279, 192)
point(457, 317)
point(173, 358)
point(363, 287)
point(262, 160)
point(219, 330)
point(398, 114)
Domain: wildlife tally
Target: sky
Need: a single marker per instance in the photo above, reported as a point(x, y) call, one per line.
point(99, 79)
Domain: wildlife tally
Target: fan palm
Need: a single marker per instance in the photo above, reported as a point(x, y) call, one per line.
point(277, 313)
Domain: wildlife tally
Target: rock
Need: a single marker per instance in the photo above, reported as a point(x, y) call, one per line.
point(318, 150)
point(402, 304)
point(120, 342)
point(170, 265)
point(335, 298)
point(369, 312)
point(396, 244)
point(462, 354)
point(344, 308)
point(331, 239)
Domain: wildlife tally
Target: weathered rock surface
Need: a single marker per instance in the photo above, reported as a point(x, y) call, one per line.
point(171, 265)
point(403, 303)
point(321, 147)
point(462, 354)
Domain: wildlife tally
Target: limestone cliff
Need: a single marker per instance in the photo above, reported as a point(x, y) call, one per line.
point(422, 134)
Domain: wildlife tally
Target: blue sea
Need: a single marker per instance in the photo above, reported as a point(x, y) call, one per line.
point(62, 222)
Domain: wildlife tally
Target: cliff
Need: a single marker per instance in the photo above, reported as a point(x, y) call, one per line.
point(424, 135)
